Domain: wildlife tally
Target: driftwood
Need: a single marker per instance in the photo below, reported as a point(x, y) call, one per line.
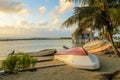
point(46, 52)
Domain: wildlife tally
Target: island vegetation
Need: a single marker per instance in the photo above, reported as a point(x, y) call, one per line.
point(16, 39)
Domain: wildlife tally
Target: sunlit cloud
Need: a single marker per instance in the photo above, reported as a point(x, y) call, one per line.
point(10, 31)
point(10, 6)
point(55, 20)
point(13, 31)
point(64, 6)
point(58, 12)
point(42, 10)
point(24, 24)
point(43, 24)
point(24, 12)
point(8, 19)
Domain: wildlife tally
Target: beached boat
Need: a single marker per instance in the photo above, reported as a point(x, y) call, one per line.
point(79, 58)
point(97, 46)
point(46, 52)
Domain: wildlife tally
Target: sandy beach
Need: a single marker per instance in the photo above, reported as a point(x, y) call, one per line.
point(66, 72)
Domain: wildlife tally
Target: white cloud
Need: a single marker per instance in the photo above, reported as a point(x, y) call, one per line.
point(55, 20)
point(22, 21)
point(8, 19)
point(13, 31)
point(64, 6)
point(42, 10)
point(10, 6)
point(42, 24)
point(24, 24)
point(24, 12)
point(58, 12)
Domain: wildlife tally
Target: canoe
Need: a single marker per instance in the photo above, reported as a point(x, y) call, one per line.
point(97, 46)
point(100, 49)
point(79, 58)
point(46, 52)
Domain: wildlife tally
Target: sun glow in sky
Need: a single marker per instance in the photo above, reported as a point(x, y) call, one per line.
point(34, 18)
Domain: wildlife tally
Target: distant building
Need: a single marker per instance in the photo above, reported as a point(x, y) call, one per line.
point(84, 37)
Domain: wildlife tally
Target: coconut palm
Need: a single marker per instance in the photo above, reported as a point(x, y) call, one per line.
point(101, 14)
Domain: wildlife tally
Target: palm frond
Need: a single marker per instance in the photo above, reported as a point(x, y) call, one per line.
point(84, 10)
point(70, 21)
point(78, 31)
point(81, 15)
point(115, 16)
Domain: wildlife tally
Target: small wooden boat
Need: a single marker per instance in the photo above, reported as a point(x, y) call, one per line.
point(79, 58)
point(46, 52)
point(97, 46)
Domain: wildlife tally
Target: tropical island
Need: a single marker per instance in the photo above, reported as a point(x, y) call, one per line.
point(97, 59)
point(16, 39)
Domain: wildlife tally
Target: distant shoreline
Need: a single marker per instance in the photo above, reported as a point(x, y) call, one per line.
point(35, 39)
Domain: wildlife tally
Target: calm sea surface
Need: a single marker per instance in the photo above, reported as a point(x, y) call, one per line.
point(7, 47)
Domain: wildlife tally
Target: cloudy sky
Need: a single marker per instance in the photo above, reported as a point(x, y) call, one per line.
point(34, 18)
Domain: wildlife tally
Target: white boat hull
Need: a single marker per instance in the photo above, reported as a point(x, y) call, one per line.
point(84, 62)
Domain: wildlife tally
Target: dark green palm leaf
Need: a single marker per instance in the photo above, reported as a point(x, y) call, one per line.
point(81, 15)
point(115, 16)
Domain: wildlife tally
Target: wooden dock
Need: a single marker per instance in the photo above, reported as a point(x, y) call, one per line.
point(48, 61)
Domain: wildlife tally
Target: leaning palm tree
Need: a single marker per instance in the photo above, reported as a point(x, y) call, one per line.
point(97, 14)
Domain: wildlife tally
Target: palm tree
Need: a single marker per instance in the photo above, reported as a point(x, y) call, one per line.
point(101, 14)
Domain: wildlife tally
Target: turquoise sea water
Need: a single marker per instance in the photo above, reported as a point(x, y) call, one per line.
point(7, 47)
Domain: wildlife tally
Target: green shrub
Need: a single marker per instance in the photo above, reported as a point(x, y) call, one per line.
point(33, 61)
point(24, 61)
point(10, 62)
point(21, 61)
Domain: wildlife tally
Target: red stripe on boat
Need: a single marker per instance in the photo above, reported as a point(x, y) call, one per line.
point(74, 51)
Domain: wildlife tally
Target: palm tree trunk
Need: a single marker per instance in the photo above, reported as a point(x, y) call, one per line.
point(91, 36)
point(113, 47)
